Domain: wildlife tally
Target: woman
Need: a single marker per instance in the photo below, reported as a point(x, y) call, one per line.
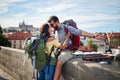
point(48, 72)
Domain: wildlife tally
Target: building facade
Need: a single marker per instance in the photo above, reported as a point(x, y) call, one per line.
point(17, 39)
point(101, 44)
point(113, 39)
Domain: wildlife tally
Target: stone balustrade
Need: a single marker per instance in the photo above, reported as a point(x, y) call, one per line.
point(16, 64)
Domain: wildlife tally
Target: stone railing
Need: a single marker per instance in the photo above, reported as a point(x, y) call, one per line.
point(77, 69)
point(15, 63)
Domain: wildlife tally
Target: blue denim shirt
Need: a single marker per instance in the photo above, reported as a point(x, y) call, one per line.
point(62, 33)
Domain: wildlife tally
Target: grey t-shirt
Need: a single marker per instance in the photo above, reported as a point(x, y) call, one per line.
point(61, 32)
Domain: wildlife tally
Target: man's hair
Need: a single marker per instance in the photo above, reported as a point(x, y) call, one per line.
point(54, 18)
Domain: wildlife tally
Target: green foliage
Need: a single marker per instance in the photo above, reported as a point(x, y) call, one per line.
point(90, 43)
point(1, 30)
point(3, 40)
point(94, 46)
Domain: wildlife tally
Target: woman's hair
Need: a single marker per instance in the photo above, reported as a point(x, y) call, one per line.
point(44, 30)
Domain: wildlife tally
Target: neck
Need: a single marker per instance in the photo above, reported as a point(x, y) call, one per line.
point(59, 25)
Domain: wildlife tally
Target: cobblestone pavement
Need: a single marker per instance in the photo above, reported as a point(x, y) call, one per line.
point(4, 76)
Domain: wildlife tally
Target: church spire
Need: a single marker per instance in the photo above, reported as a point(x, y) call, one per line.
point(23, 24)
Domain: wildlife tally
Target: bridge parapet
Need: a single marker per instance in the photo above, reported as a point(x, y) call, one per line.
point(14, 62)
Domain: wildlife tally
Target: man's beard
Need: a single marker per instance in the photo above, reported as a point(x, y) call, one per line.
point(56, 27)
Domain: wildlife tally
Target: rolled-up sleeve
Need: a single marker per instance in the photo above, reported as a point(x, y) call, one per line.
point(74, 31)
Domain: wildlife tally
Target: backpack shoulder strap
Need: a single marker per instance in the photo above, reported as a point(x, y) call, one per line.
point(66, 27)
point(35, 44)
point(45, 40)
point(49, 58)
point(52, 49)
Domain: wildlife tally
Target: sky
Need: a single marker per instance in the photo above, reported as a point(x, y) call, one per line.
point(90, 15)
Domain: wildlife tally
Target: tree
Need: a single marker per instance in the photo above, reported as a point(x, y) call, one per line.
point(94, 46)
point(1, 32)
point(90, 43)
point(3, 40)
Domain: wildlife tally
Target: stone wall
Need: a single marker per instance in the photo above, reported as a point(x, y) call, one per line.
point(77, 69)
point(116, 61)
point(12, 61)
point(15, 63)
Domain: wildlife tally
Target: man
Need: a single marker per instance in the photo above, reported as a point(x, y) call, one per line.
point(66, 54)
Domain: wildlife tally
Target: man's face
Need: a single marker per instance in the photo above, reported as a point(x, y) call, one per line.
point(54, 25)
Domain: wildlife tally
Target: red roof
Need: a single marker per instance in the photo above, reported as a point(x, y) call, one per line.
point(85, 48)
point(114, 35)
point(100, 36)
point(19, 36)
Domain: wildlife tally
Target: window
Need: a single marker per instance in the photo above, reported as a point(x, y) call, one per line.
point(20, 41)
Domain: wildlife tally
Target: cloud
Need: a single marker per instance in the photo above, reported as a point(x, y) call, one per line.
point(86, 13)
point(3, 10)
point(11, 1)
point(3, 7)
point(4, 4)
point(55, 8)
point(20, 15)
point(95, 21)
point(9, 22)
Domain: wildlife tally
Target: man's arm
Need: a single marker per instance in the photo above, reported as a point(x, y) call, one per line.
point(79, 32)
point(86, 34)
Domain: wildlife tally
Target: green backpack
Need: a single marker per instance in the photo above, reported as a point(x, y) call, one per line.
point(35, 47)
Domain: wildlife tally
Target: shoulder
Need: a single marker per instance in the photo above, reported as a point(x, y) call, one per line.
point(68, 26)
point(50, 39)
